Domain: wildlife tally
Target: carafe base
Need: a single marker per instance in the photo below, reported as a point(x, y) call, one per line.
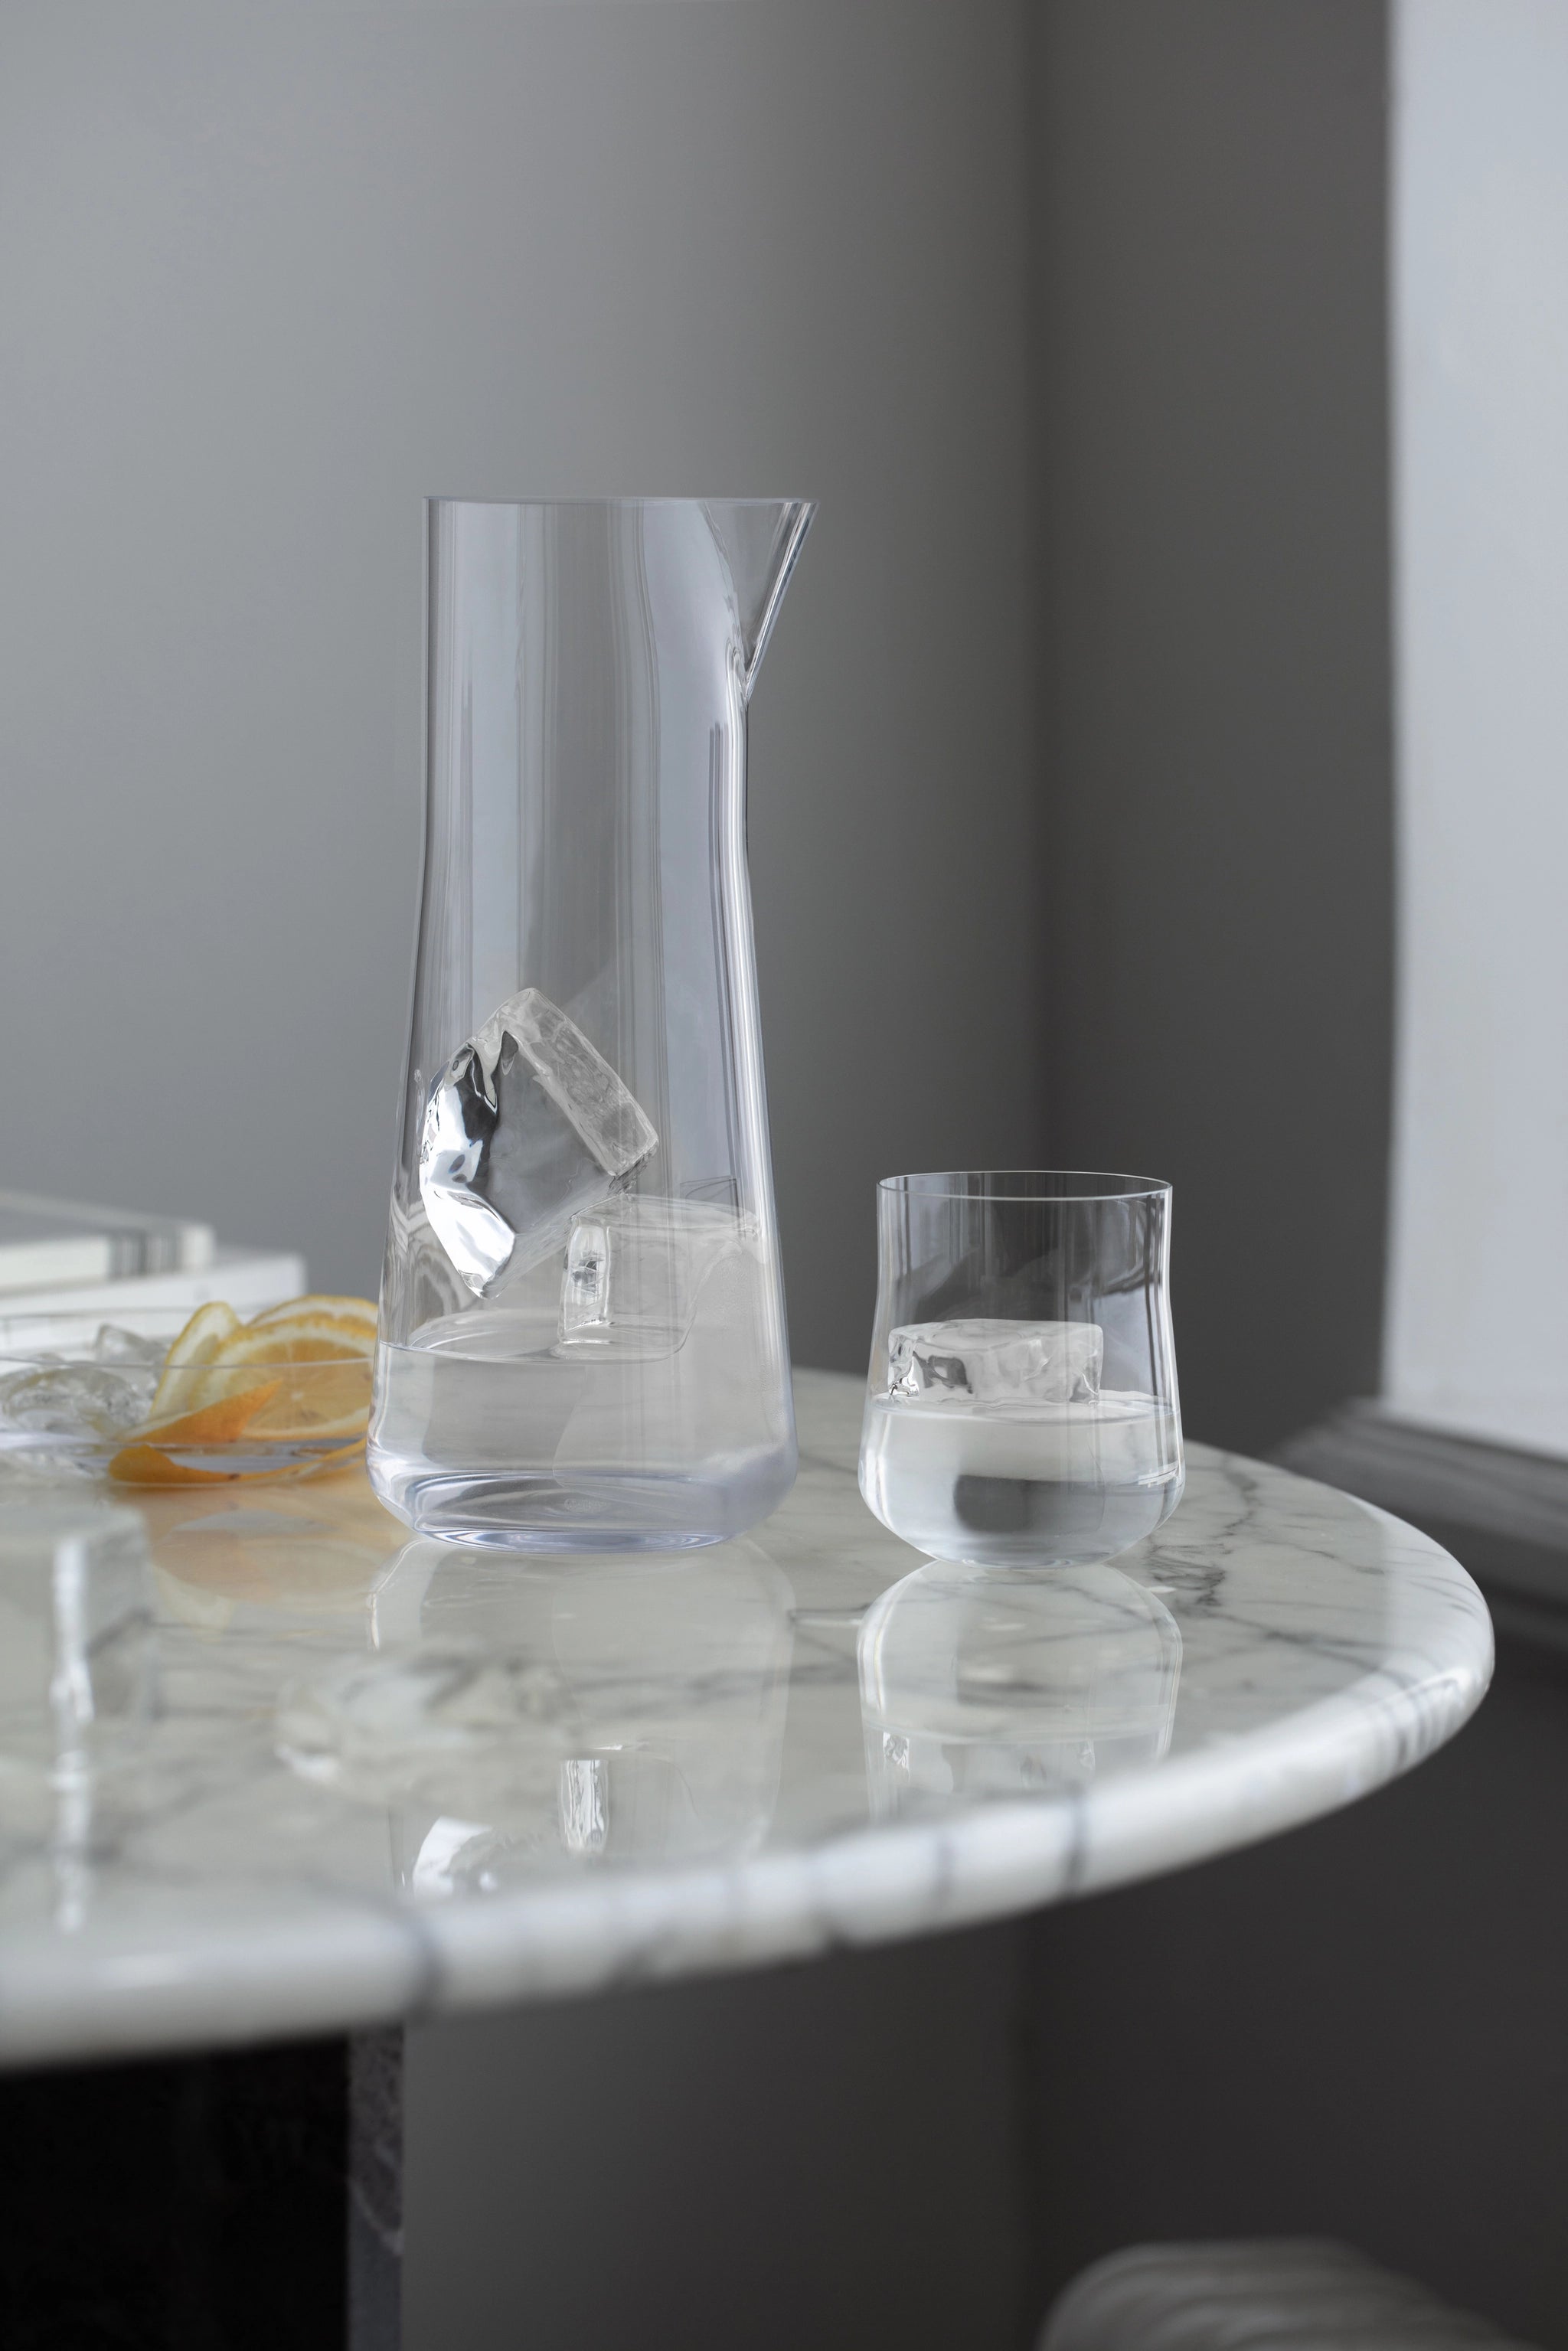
point(532, 1510)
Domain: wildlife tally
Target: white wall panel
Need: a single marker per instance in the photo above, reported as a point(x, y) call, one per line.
point(1478, 1325)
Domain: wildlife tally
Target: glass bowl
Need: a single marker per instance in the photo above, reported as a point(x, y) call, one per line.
point(93, 1396)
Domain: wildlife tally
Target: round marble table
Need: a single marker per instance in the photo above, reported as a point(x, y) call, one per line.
point(381, 1779)
point(334, 1780)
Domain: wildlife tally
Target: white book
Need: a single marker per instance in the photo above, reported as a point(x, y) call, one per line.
point(248, 1280)
point(47, 1244)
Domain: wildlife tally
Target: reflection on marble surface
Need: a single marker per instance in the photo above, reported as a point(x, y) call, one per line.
point(383, 1777)
point(518, 1713)
point(76, 1678)
point(75, 1685)
point(979, 1682)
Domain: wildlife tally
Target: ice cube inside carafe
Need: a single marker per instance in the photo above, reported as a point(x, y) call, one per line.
point(634, 1271)
point(527, 1127)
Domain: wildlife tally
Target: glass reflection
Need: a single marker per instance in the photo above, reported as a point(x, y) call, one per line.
point(976, 1682)
point(77, 1681)
point(520, 1717)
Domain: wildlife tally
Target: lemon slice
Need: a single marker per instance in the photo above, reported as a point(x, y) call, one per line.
point(180, 1387)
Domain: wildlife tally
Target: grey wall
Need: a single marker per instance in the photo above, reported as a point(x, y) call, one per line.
point(1218, 810)
point(268, 277)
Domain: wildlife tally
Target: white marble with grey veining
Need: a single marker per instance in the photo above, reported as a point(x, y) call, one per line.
point(382, 1779)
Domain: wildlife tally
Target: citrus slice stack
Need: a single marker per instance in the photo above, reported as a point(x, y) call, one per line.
point(299, 1374)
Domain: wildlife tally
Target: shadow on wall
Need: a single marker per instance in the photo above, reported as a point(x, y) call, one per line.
point(1354, 2030)
point(1210, 210)
point(825, 2154)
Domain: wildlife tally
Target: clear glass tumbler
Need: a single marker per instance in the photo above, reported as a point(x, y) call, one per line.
point(582, 1342)
point(1022, 1408)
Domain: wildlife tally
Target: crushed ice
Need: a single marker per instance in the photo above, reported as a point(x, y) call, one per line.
point(97, 1396)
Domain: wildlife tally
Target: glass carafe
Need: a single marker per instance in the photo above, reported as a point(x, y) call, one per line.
point(583, 1338)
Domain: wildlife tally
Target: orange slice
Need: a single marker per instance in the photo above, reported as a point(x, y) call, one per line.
point(144, 1465)
point(260, 1342)
point(180, 1387)
point(217, 1424)
point(322, 1364)
point(148, 1465)
point(328, 1398)
point(298, 1373)
point(316, 1306)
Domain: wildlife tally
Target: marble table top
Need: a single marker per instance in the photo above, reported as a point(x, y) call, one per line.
point(345, 1778)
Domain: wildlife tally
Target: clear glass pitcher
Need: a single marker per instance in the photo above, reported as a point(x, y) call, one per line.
point(582, 1339)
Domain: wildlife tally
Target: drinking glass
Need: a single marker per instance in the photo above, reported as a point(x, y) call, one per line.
point(1022, 1408)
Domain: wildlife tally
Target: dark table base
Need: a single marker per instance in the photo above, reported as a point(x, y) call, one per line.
point(205, 2203)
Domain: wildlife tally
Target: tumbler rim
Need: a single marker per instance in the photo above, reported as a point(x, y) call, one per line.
point(981, 1182)
point(615, 499)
